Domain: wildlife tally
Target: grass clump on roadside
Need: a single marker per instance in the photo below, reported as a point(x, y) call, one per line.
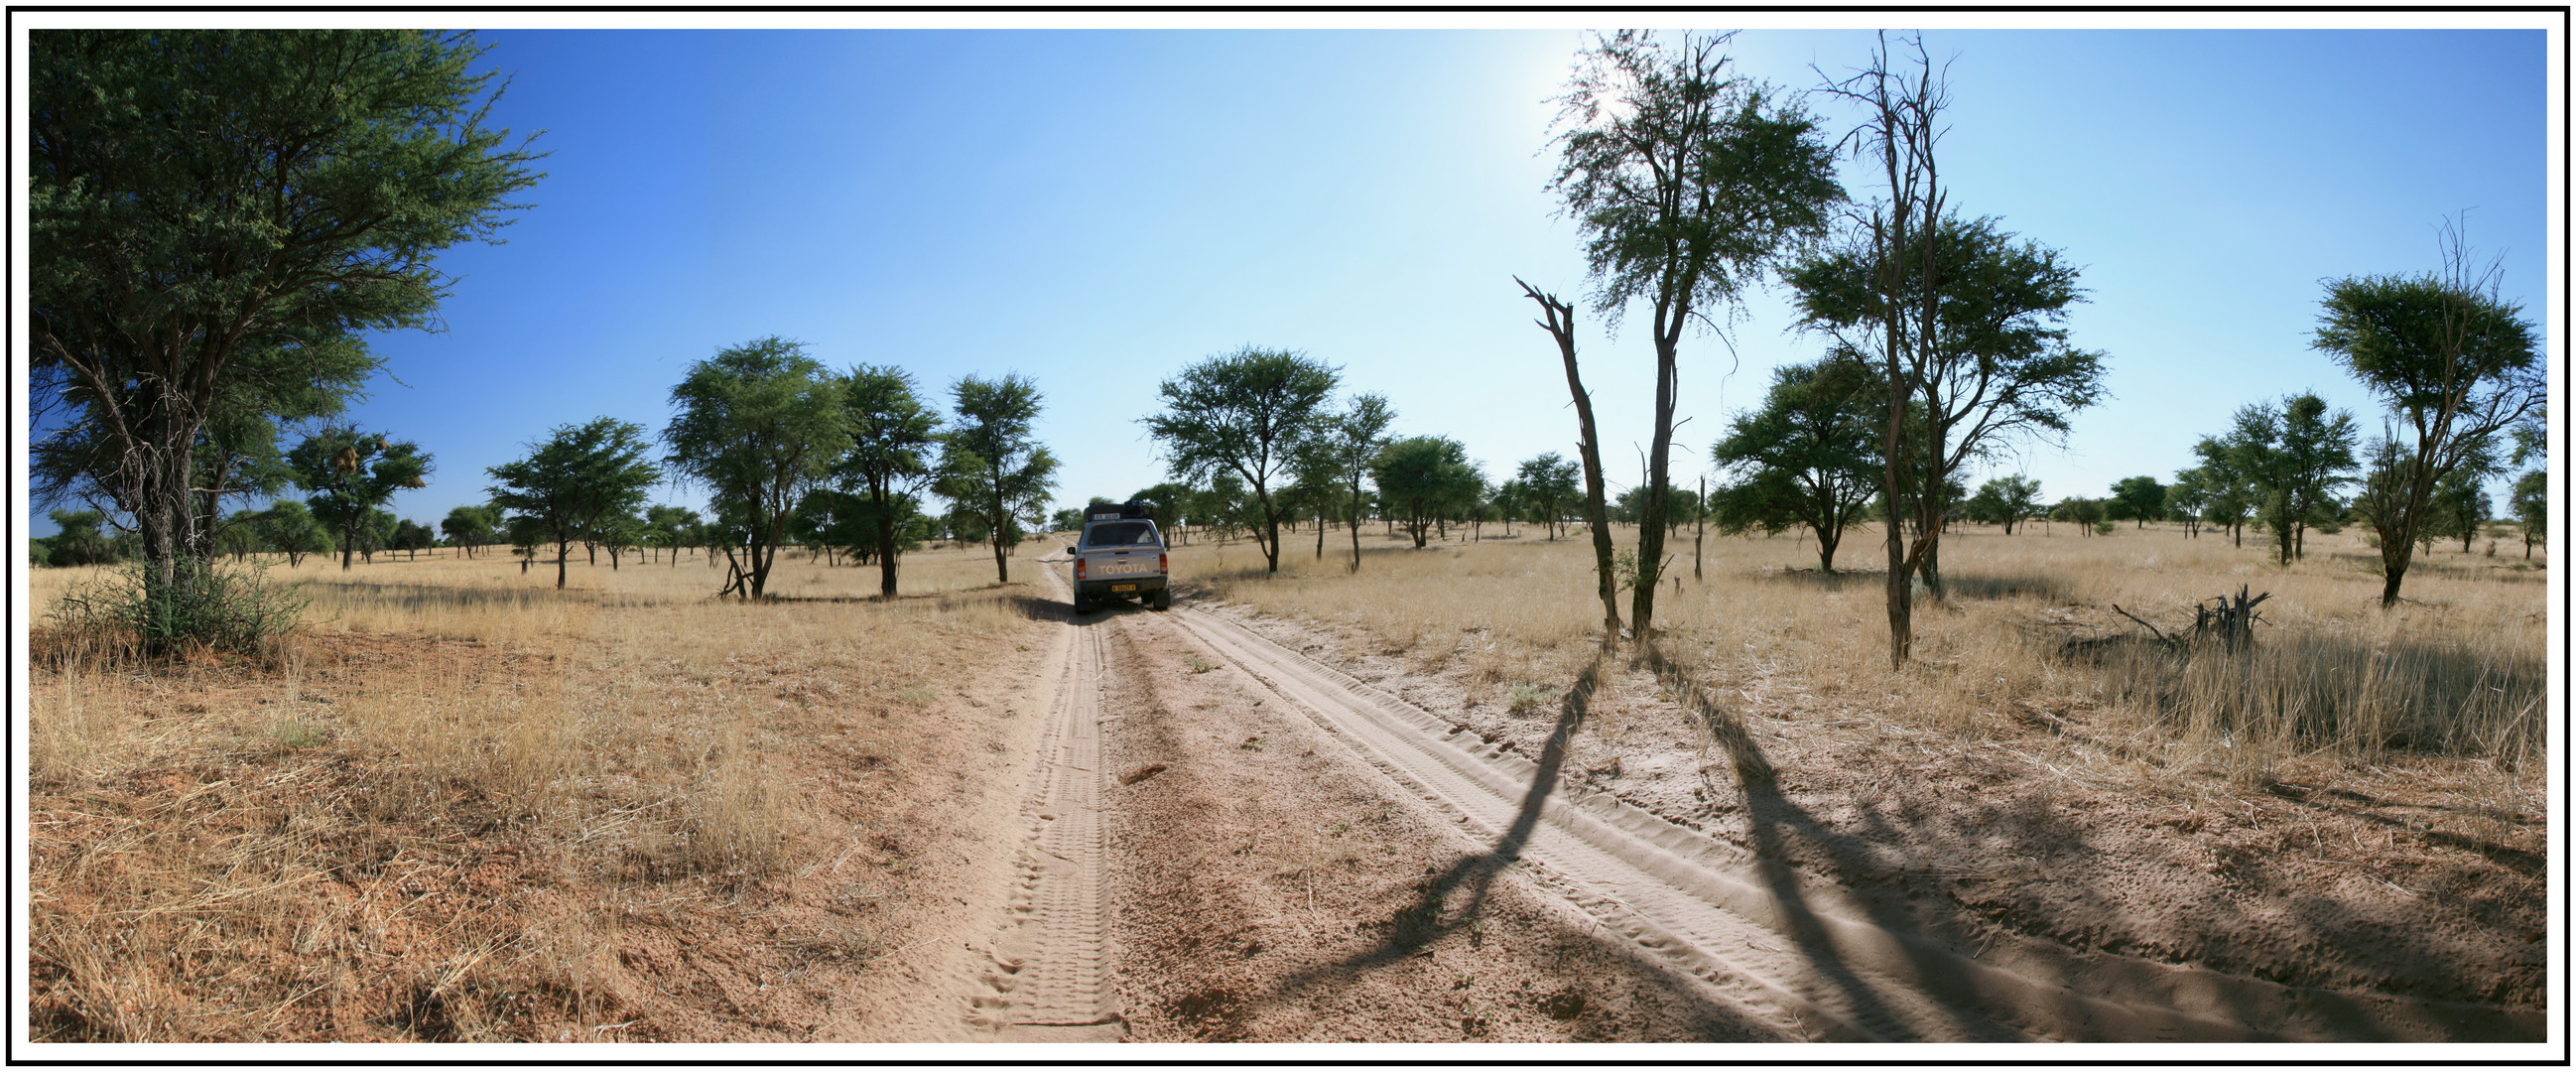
point(206, 606)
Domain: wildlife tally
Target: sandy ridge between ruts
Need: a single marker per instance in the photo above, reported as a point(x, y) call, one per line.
point(1796, 944)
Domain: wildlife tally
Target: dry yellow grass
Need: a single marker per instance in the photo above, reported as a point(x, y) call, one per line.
point(430, 819)
point(466, 806)
point(2460, 668)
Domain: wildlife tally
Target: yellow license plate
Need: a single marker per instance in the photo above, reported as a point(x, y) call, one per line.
point(1122, 588)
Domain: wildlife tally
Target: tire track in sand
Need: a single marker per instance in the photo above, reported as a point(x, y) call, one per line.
point(1049, 976)
point(1801, 951)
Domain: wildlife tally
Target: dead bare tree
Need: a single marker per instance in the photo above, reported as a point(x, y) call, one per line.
point(1901, 132)
point(1687, 181)
point(1559, 322)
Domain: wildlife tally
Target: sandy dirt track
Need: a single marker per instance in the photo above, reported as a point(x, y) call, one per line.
point(1049, 975)
point(1226, 840)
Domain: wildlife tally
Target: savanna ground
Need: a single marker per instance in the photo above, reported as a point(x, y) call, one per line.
point(2359, 802)
point(461, 806)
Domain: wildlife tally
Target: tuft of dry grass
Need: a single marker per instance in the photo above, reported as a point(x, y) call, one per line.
point(460, 797)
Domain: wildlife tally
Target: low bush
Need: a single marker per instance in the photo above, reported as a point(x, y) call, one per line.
point(204, 607)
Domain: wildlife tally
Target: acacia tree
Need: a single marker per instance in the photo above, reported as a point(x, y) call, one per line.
point(213, 212)
point(349, 475)
point(470, 527)
point(1995, 366)
point(1424, 480)
point(2454, 362)
point(2293, 457)
point(1315, 486)
point(2185, 498)
point(2530, 506)
point(2230, 490)
point(1685, 180)
point(991, 465)
point(1807, 457)
point(1348, 447)
point(758, 426)
point(1171, 502)
point(77, 541)
point(2006, 500)
point(1558, 318)
point(2461, 506)
point(410, 536)
point(672, 528)
point(2086, 513)
point(581, 481)
point(1246, 413)
point(2529, 501)
point(1221, 506)
point(891, 435)
point(2139, 498)
point(1547, 483)
point(287, 527)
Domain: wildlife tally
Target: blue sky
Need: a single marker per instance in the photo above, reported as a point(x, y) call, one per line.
point(1099, 208)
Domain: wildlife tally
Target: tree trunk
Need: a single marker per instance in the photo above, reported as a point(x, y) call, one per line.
point(1596, 510)
point(763, 554)
point(1900, 593)
point(1355, 523)
point(1655, 512)
point(1270, 549)
point(563, 553)
point(1931, 514)
point(885, 549)
point(1700, 537)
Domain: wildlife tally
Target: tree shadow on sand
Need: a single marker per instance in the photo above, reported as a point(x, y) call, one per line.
point(1453, 900)
point(1936, 958)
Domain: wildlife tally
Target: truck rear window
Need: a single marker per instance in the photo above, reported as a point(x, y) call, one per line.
point(1119, 534)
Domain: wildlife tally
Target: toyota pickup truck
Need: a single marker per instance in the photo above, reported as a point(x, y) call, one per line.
point(1120, 556)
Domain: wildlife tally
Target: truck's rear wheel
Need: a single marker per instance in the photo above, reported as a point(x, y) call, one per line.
point(1162, 599)
point(1081, 603)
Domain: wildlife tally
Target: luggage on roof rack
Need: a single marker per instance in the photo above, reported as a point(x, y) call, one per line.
point(1130, 510)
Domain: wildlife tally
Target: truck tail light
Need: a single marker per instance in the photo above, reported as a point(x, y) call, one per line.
point(1163, 562)
point(1078, 571)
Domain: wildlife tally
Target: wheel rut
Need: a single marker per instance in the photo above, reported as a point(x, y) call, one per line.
point(1819, 960)
point(1050, 976)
